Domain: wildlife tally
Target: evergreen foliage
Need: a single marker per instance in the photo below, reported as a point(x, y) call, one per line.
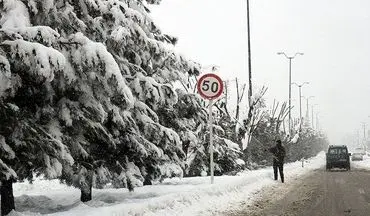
point(81, 82)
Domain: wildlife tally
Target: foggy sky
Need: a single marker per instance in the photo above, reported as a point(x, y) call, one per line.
point(333, 35)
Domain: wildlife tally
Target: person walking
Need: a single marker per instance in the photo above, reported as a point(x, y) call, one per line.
point(278, 152)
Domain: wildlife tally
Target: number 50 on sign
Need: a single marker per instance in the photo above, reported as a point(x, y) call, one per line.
point(210, 86)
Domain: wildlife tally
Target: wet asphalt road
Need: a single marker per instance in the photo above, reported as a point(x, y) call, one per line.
point(322, 193)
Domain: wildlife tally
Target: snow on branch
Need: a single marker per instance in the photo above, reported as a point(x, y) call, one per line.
point(14, 14)
point(42, 61)
point(171, 170)
point(41, 34)
point(145, 110)
point(5, 75)
point(6, 172)
point(148, 90)
point(144, 146)
point(6, 149)
point(154, 1)
point(53, 167)
point(44, 5)
point(91, 54)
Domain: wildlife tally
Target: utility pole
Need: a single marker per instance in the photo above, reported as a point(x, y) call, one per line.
point(290, 88)
point(249, 57)
point(250, 102)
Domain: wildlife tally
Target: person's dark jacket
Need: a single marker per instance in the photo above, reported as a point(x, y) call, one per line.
point(279, 153)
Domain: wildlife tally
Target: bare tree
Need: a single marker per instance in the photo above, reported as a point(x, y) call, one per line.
point(239, 97)
point(224, 103)
point(253, 118)
point(278, 115)
point(254, 102)
point(191, 84)
point(240, 90)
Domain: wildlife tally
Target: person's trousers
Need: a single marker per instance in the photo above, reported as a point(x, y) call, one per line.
point(279, 166)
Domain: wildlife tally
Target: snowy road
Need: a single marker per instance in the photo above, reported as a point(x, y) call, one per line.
point(333, 193)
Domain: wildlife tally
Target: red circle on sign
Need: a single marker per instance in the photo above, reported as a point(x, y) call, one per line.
point(207, 78)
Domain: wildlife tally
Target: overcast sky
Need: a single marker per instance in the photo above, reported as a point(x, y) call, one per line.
point(333, 35)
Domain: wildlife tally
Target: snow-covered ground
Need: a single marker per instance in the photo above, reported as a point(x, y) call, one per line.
point(186, 196)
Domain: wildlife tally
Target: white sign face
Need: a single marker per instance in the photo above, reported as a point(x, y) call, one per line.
point(210, 86)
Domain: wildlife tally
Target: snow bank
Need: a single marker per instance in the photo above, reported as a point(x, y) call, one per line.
point(364, 164)
point(186, 196)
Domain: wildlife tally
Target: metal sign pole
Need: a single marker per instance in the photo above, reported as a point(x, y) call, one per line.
point(210, 118)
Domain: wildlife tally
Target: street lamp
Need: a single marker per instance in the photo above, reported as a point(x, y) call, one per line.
point(364, 140)
point(317, 121)
point(364, 128)
point(307, 110)
point(312, 114)
point(290, 80)
point(300, 102)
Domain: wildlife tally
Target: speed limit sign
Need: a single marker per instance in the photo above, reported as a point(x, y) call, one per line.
point(210, 86)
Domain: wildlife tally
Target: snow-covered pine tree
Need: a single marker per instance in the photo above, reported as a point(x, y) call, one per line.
point(96, 97)
point(189, 119)
point(149, 68)
point(66, 68)
point(27, 104)
point(227, 154)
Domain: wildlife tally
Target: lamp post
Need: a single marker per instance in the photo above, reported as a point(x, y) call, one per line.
point(317, 121)
point(312, 114)
point(364, 128)
point(364, 140)
point(290, 81)
point(307, 110)
point(300, 102)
